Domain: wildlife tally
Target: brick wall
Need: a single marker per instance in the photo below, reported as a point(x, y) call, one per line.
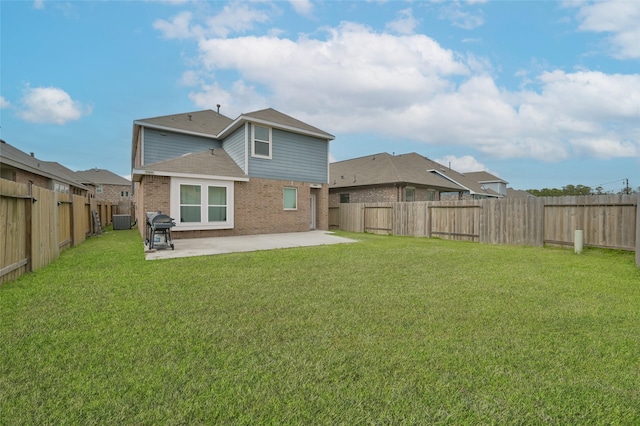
point(380, 194)
point(26, 177)
point(258, 207)
point(113, 193)
point(383, 194)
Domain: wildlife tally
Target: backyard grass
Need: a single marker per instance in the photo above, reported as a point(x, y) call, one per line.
point(391, 330)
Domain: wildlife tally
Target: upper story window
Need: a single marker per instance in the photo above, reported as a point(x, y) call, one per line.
point(99, 189)
point(261, 142)
point(344, 198)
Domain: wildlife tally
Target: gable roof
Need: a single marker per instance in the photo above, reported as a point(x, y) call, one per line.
point(412, 168)
point(17, 159)
point(485, 177)
point(206, 122)
point(101, 176)
point(383, 168)
point(213, 162)
point(271, 117)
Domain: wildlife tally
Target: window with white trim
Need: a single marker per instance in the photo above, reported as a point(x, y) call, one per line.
point(261, 142)
point(290, 198)
point(410, 194)
point(202, 204)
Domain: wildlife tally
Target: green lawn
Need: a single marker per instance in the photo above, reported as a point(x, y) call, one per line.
point(391, 330)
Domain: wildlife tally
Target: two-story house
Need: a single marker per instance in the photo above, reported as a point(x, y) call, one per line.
point(263, 172)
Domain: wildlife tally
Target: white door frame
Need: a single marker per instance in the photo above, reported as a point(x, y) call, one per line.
point(312, 211)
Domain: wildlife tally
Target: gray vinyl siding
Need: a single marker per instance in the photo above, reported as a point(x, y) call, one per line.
point(294, 157)
point(162, 145)
point(234, 145)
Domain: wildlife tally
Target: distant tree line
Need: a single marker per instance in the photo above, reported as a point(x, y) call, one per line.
point(579, 190)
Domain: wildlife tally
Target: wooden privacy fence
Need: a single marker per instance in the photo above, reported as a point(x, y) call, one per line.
point(607, 221)
point(36, 225)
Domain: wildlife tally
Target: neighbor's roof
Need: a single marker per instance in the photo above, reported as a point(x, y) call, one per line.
point(517, 193)
point(412, 168)
point(383, 168)
point(101, 176)
point(15, 158)
point(484, 177)
point(213, 162)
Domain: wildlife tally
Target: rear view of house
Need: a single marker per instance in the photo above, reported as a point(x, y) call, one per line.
point(263, 172)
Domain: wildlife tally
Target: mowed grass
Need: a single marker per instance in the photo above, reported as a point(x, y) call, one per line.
point(390, 330)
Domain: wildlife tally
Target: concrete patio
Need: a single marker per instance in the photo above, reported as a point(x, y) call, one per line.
point(245, 243)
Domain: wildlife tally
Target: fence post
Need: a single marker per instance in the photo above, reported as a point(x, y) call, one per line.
point(638, 230)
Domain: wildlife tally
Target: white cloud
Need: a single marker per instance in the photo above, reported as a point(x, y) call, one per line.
point(621, 19)
point(411, 88)
point(38, 4)
point(178, 27)
point(233, 18)
point(303, 7)
point(461, 18)
point(405, 23)
point(338, 71)
point(462, 164)
point(50, 105)
point(4, 103)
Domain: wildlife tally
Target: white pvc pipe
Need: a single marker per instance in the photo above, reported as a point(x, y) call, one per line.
point(577, 241)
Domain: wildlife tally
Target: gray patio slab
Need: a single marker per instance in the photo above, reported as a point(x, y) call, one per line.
point(245, 243)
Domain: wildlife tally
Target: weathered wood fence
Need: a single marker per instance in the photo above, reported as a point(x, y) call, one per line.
point(36, 225)
point(607, 221)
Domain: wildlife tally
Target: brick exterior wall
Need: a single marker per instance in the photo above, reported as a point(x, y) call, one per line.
point(113, 193)
point(26, 177)
point(258, 207)
point(380, 194)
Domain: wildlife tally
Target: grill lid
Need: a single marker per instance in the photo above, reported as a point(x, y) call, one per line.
point(159, 217)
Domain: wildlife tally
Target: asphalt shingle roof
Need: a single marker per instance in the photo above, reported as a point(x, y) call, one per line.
point(101, 176)
point(13, 157)
point(214, 162)
point(412, 168)
point(276, 117)
point(207, 122)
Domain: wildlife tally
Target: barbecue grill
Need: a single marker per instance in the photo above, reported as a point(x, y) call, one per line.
point(158, 229)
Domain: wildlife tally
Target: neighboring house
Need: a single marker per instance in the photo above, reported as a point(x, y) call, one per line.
point(18, 166)
point(106, 185)
point(407, 177)
point(489, 181)
point(263, 172)
point(518, 193)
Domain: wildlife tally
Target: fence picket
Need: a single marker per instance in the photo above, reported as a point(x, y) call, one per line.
point(36, 224)
point(608, 221)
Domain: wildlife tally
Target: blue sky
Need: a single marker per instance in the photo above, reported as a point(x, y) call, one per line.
point(542, 94)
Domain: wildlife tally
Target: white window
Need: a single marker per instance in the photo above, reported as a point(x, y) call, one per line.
point(202, 204)
point(59, 187)
point(261, 142)
point(99, 189)
point(290, 198)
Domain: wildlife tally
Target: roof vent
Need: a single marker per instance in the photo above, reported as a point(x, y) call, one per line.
point(218, 105)
point(189, 115)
